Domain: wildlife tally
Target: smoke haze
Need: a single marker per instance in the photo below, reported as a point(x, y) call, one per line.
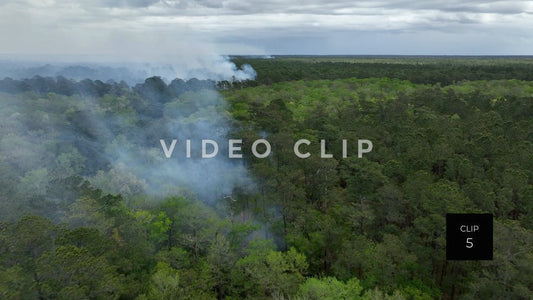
point(55, 128)
point(210, 68)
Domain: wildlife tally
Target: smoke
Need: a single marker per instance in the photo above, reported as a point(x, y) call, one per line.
point(110, 134)
point(212, 67)
point(193, 116)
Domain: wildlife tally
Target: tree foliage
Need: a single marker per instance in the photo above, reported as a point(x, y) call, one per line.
point(448, 137)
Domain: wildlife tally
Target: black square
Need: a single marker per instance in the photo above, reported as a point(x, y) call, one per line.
point(469, 236)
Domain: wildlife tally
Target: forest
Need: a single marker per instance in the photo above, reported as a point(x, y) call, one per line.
point(90, 207)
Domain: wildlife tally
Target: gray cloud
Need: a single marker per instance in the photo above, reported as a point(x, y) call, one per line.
point(185, 29)
point(125, 3)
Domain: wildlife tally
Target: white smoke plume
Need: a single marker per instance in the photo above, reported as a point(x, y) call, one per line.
point(194, 116)
point(215, 67)
point(43, 135)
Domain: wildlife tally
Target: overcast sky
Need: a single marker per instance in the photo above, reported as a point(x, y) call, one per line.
point(181, 28)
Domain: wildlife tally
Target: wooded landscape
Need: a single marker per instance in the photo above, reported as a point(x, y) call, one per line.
point(84, 214)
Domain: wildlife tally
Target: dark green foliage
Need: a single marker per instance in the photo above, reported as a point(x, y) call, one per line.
point(382, 218)
point(425, 70)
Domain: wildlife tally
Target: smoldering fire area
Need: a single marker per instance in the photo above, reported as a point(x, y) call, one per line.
point(54, 128)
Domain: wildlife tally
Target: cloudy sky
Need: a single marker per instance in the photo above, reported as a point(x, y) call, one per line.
point(133, 29)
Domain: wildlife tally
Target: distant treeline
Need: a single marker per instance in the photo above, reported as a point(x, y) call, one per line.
point(153, 87)
point(446, 72)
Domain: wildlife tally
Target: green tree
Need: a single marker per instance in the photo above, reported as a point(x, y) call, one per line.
point(265, 272)
point(329, 288)
point(69, 271)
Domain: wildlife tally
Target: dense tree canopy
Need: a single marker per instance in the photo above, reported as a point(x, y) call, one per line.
point(448, 137)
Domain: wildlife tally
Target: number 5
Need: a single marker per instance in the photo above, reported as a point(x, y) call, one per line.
point(469, 243)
